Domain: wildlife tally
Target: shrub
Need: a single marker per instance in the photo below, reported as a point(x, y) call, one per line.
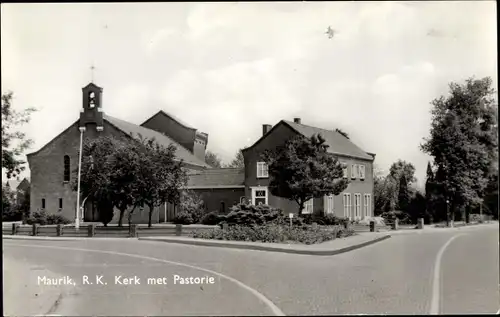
point(276, 233)
point(43, 218)
point(390, 216)
point(183, 218)
point(251, 215)
point(191, 208)
point(212, 218)
point(323, 220)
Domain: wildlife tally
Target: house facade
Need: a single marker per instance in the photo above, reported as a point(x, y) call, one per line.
point(355, 202)
point(52, 166)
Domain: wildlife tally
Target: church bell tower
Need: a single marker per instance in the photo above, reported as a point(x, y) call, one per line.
point(91, 113)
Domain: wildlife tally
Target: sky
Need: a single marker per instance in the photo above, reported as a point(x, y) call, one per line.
point(227, 68)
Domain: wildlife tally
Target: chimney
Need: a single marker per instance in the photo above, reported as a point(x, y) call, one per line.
point(266, 128)
point(296, 120)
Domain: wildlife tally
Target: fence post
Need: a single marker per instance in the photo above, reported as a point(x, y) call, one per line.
point(395, 224)
point(178, 230)
point(132, 229)
point(91, 230)
point(315, 226)
point(35, 229)
point(372, 226)
point(420, 224)
point(59, 229)
point(224, 226)
point(15, 227)
point(347, 224)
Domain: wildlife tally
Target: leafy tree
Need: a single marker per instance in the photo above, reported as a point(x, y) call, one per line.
point(302, 169)
point(238, 161)
point(403, 194)
point(8, 205)
point(98, 163)
point(124, 175)
point(162, 177)
point(400, 168)
point(416, 207)
point(14, 143)
point(463, 142)
point(213, 159)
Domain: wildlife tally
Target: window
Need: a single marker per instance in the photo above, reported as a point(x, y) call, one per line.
point(344, 169)
point(60, 203)
point(361, 172)
point(259, 196)
point(347, 205)
point(357, 204)
point(43, 203)
point(262, 170)
point(66, 168)
point(91, 99)
point(308, 206)
point(353, 171)
point(367, 205)
point(222, 207)
point(329, 204)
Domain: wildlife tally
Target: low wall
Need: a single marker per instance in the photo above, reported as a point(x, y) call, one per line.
point(96, 231)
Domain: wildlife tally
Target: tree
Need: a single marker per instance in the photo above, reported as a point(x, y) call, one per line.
point(416, 207)
point(403, 194)
point(429, 193)
point(14, 143)
point(8, 205)
point(463, 142)
point(162, 177)
point(98, 163)
point(400, 168)
point(302, 169)
point(213, 159)
point(238, 161)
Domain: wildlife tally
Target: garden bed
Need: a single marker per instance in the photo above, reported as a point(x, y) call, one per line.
point(274, 233)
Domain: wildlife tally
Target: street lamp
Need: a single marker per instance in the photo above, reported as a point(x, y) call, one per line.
point(447, 213)
point(77, 218)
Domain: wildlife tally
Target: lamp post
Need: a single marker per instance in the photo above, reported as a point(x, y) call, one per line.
point(77, 218)
point(447, 213)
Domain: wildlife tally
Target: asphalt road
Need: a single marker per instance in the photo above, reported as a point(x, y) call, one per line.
point(396, 276)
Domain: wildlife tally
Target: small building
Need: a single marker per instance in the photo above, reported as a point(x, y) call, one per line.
point(355, 202)
point(220, 188)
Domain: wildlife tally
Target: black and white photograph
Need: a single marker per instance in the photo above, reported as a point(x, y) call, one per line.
point(250, 158)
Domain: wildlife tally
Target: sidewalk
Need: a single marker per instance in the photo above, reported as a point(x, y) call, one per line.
point(333, 247)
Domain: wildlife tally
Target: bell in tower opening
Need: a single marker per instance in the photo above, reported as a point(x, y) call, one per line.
point(91, 99)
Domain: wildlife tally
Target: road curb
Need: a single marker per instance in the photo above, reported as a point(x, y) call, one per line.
point(10, 237)
point(208, 243)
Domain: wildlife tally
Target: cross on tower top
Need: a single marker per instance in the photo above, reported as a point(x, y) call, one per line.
point(92, 68)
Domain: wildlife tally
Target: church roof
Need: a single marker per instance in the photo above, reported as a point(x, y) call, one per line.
point(136, 131)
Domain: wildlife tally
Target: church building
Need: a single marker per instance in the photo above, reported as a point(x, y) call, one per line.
point(51, 166)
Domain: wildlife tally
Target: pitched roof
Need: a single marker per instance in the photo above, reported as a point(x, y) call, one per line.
point(217, 178)
point(136, 130)
point(171, 116)
point(338, 144)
